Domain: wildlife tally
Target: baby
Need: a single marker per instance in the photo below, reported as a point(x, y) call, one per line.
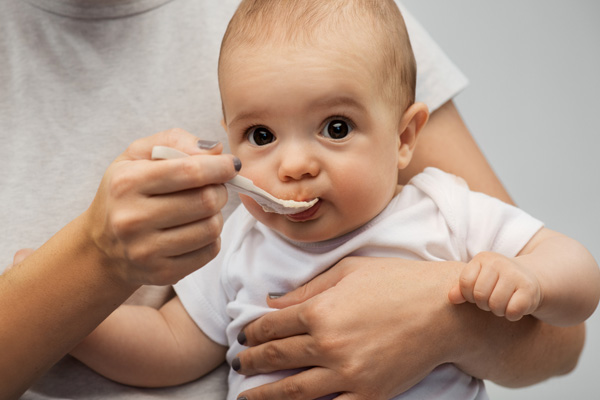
point(318, 102)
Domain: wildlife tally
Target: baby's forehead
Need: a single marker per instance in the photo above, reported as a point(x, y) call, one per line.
point(279, 66)
point(349, 45)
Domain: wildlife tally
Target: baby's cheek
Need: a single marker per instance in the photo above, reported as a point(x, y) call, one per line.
point(364, 195)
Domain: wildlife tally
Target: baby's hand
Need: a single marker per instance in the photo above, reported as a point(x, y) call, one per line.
point(498, 284)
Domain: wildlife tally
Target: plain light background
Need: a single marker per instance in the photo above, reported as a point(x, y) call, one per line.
point(532, 105)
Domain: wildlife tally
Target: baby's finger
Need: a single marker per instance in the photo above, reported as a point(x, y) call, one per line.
point(486, 282)
point(455, 296)
point(520, 304)
point(500, 297)
point(467, 280)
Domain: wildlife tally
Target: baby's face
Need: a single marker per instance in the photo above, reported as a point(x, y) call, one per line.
point(310, 123)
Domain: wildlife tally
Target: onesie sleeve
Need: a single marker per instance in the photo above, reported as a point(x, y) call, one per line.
point(438, 78)
point(497, 226)
point(476, 222)
point(204, 293)
point(203, 300)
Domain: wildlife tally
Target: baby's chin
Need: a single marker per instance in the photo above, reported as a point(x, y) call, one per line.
point(313, 225)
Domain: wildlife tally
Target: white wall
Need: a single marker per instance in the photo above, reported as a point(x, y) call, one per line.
point(533, 107)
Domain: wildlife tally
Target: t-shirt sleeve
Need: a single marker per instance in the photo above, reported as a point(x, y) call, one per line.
point(438, 78)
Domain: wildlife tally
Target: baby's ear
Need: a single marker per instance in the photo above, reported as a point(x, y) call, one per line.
point(223, 124)
point(413, 120)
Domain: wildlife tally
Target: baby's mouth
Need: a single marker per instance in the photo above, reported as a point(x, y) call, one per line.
point(307, 214)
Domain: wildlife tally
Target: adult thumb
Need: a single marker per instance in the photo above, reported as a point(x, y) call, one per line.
point(317, 285)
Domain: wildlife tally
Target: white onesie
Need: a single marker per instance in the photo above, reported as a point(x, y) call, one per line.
point(434, 218)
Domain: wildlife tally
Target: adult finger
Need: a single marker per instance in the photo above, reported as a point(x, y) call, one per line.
point(188, 238)
point(289, 353)
point(175, 268)
point(274, 325)
point(319, 284)
point(312, 383)
point(176, 138)
point(21, 254)
point(166, 176)
point(185, 207)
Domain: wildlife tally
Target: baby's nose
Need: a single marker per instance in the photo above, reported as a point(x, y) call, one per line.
point(298, 162)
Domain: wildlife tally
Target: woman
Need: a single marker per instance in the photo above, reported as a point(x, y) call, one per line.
point(82, 80)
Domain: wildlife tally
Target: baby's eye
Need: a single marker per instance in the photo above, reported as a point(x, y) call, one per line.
point(260, 136)
point(336, 129)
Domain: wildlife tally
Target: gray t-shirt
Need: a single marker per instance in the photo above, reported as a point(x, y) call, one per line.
point(82, 79)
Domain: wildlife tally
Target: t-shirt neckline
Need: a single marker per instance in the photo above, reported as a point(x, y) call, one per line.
point(97, 9)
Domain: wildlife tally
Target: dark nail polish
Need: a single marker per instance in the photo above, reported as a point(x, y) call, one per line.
point(276, 295)
point(236, 364)
point(237, 164)
point(241, 338)
point(242, 398)
point(207, 144)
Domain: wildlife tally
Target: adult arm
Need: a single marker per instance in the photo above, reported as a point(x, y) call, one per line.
point(150, 223)
point(446, 143)
point(415, 325)
point(400, 333)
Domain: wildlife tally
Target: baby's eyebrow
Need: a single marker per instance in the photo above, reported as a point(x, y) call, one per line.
point(336, 101)
point(317, 104)
point(251, 115)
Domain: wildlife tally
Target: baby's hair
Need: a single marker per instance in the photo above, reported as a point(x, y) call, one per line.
point(304, 22)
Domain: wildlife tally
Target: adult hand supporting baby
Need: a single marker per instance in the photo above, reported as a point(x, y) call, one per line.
point(373, 327)
point(151, 222)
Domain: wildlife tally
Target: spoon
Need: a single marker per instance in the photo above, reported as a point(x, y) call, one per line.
point(245, 186)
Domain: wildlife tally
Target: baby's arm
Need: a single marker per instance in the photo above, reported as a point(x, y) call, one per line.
point(142, 346)
point(554, 278)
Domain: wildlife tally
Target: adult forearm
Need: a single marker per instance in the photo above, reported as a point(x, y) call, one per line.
point(138, 231)
point(48, 303)
point(516, 354)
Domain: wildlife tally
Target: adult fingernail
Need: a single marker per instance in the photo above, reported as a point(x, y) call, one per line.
point(236, 364)
point(241, 338)
point(242, 398)
point(207, 144)
point(237, 164)
point(276, 295)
